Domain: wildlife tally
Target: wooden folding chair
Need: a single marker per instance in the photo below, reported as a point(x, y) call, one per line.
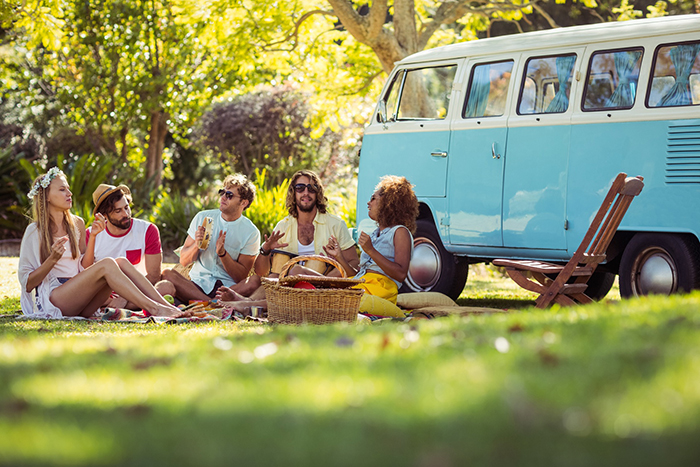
point(550, 280)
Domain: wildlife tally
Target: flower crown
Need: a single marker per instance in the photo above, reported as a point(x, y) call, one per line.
point(44, 181)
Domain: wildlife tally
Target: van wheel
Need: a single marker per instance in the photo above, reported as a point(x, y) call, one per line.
point(659, 264)
point(600, 284)
point(432, 267)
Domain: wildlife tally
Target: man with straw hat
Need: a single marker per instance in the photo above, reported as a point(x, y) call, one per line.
point(114, 233)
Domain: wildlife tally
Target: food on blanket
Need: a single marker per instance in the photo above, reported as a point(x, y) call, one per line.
point(169, 298)
point(208, 224)
point(304, 285)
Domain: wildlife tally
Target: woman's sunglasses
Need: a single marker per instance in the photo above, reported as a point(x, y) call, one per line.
point(300, 187)
point(229, 194)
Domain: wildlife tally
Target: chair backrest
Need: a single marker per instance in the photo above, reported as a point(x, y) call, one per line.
point(606, 221)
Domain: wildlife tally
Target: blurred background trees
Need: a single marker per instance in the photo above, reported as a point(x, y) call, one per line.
point(170, 96)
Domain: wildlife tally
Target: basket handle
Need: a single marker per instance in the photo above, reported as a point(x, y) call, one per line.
point(325, 259)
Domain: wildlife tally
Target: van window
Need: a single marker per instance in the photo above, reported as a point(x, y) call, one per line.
point(547, 84)
point(421, 94)
point(676, 77)
point(392, 97)
point(488, 90)
point(612, 80)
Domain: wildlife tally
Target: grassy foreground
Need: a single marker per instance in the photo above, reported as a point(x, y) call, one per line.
point(616, 383)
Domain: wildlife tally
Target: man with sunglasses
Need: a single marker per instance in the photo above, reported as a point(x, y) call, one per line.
point(229, 257)
point(308, 227)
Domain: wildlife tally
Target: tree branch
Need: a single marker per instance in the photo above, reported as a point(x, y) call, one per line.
point(294, 33)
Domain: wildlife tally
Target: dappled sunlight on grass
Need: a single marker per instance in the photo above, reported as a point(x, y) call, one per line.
point(36, 440)
point(613, 383)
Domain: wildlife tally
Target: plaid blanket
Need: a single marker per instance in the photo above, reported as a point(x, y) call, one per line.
point(130, 316)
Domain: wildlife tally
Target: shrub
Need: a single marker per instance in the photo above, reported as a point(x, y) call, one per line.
point(269, 205)
point(173, 214)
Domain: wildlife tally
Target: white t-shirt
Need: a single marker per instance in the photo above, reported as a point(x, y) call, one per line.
point(36, 302)
point(242, 238)
point(141, 239)
point(305, 250)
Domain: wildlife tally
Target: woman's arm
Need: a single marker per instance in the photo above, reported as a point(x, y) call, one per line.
point(37, 276)
point(397, 269)
point(347, 258)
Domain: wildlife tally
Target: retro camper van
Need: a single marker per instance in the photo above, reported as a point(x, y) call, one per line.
point(512, 142)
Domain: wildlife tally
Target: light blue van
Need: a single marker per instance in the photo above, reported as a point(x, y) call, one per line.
point(512, 142)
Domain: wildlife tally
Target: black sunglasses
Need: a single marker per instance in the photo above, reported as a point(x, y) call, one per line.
point(300, 187)
point(229, 194)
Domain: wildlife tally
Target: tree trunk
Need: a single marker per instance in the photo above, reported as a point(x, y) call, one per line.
point(156, 145)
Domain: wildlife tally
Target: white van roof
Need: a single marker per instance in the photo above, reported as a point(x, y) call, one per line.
point(562, 37)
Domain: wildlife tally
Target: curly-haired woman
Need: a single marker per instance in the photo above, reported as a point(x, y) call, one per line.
point(386, 253)
point(53, 281)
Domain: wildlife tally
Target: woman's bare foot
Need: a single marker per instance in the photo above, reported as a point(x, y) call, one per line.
point(163, 310)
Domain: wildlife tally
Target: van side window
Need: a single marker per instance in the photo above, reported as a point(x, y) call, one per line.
point(676, 77)
point(421, 94)
point(488, 90)
point(547, 85)
point(612, 80)
point(392, 97)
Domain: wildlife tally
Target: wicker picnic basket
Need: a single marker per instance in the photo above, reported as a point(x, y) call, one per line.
point(332, 301)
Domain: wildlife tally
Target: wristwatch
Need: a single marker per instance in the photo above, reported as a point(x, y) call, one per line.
point(263, 252)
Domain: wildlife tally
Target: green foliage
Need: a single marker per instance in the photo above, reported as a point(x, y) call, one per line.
point(266, 129)
point(128, 73)
point(173, 214)
point(344, 205)
point(14, 185)
point(269, 206)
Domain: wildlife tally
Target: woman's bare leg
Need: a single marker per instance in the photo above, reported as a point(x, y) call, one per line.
point(140, 281)
point(96, 302)
point(75, 295)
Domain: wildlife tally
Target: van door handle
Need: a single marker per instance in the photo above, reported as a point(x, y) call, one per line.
point(493, 152)
point(439, 153)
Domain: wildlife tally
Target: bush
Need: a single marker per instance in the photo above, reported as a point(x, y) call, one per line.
point(14, 204)
point(173, 214)
point(269, 206)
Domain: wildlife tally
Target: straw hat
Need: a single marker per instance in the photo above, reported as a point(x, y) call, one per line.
point(103, 191)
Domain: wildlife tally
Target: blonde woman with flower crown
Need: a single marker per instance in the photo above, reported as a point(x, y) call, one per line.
point(53, 281)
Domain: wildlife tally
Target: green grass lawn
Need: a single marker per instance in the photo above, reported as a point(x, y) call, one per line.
point(615, 383)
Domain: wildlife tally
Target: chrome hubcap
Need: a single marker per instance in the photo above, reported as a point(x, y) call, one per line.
point(654, 273)
point(425, 268)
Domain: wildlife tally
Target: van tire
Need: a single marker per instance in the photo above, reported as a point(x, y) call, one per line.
point(659, 263)
point(432, 267)
point(599, 285)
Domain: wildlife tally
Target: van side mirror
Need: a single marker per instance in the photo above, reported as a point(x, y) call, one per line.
point(381, 113)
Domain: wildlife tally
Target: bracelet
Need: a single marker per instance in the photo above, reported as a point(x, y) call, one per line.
point(263, 252)
point(221, 256)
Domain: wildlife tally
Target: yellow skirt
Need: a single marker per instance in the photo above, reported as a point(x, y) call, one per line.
point(380, 286)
